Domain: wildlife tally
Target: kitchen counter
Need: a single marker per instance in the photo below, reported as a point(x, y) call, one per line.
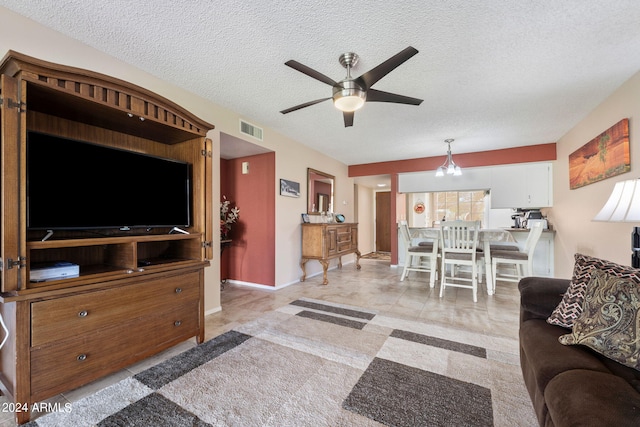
point(526, 230)
point(543, 255)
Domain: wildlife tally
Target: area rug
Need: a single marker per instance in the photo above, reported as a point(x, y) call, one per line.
point(316, 363)
point(381, 256)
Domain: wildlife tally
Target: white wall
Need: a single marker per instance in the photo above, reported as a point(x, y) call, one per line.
point(292, 161)
point(292, 158)
point(573, 209)
point(366, 219)
point(500, 218)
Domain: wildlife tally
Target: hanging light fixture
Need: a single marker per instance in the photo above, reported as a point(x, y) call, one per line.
point(348, 96)
point(449, 166)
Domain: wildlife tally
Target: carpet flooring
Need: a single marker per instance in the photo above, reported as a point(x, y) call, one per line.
point(315, 363)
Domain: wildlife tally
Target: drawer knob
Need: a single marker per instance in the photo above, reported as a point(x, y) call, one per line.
point(177, 323)
point(140, 269)
point(178, 290)
point(81, 357)
point(83, 313)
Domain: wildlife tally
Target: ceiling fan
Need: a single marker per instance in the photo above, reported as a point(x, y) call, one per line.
point(351, 93)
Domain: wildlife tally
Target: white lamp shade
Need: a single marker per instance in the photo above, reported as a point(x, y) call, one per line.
point(623, 204)
point(449, 166)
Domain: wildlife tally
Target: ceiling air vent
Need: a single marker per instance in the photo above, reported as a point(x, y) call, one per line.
point(251, 130)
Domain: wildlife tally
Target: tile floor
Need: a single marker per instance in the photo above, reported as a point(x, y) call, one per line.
point(376, 286)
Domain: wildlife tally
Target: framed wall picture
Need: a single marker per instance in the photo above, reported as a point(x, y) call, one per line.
point(289, 188)
point(604, 156)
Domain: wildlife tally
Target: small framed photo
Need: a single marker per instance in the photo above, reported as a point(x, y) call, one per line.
point(289, 188)
point(305, 218)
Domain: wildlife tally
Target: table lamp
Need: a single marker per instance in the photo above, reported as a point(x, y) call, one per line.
point(624, 206)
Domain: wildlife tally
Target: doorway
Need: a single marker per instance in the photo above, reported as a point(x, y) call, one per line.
point(383, 219)
point(247, 172)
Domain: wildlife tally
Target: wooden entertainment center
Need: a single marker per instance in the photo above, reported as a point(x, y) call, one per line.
point(69, 331)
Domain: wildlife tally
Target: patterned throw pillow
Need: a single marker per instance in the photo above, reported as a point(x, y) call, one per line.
point(571, 305)
point(610, 320)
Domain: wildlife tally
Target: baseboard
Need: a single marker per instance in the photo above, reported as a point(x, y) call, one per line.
point(213, 310)
point(284, 285)
point(259, 285)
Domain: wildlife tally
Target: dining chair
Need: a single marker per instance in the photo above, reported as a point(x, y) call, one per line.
point(423, 257)
point(459, 247)
point(520, 261)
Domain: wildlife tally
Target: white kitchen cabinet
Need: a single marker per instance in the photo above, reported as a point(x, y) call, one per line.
point(428, 182)
point(527, 185)
point(539, 185)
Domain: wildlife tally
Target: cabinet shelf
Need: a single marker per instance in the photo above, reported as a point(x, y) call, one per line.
point(60, 243)
point(99, 258)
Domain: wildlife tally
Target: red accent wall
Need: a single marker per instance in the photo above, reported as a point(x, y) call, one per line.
point(251, 257)
point(224, 191)
point(392, 223)
point(530, 153)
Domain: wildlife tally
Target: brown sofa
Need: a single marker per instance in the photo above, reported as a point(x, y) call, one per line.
point(570, 385)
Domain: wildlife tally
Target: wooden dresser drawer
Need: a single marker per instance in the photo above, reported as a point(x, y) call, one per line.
point(80, 360)
point(64, 318)
point(344, 246)
point(344, 236)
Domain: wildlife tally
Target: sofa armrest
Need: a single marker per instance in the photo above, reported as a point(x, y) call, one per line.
point(539, 296)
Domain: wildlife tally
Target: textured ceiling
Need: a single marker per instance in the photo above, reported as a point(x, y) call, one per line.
point(493, 74)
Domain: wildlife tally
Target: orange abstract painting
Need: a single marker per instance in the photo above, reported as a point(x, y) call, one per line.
point(604, 156)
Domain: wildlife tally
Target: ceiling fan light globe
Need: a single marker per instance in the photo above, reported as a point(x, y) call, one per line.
point(352, 101)
point(348, 96)
point(440, 171)
point(451, 169)
point(457, 171)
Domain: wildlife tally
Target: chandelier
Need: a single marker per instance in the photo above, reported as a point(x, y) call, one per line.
point(449, 166)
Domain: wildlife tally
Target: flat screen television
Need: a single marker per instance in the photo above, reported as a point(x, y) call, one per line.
point(79, 185)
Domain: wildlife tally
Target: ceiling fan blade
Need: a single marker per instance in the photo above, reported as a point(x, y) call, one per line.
point(370, 77)
point(306, 104)
point(380, 96)
point(348, 118)
point(310, 72)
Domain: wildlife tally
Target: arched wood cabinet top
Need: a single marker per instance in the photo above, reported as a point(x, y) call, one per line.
point(100, 100)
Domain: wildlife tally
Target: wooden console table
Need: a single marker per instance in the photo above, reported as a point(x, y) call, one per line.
point(324, 242)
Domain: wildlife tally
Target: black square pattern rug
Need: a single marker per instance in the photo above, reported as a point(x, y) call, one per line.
point(316, 363)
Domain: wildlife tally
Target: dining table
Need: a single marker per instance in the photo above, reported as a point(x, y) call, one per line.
point(486, 236)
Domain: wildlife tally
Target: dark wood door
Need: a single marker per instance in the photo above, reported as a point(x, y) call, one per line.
point(383, 218)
